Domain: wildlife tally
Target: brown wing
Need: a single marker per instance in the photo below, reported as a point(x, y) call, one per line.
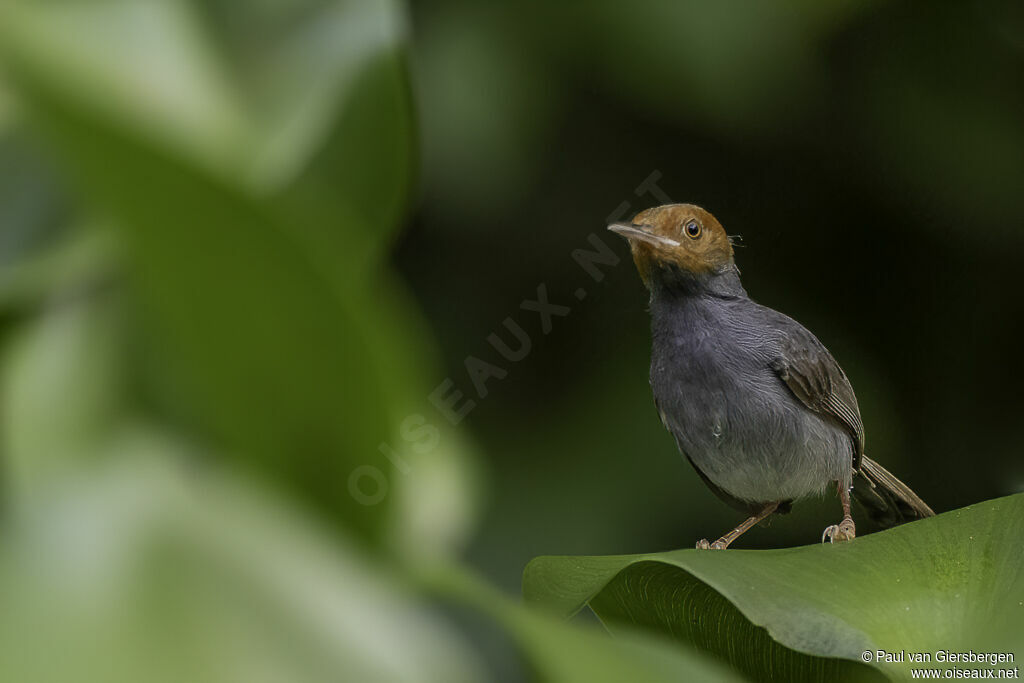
point(814, 377)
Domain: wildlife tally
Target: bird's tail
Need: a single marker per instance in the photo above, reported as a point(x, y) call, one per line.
point(887, 500)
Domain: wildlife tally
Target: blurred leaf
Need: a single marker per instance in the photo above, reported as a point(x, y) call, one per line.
point(144, 571)
point(253, 301)
point(279, 361)
point(61, 389)
point(143, 63)
point(565, 653)
point(327, 89)
point(366, 157)
point(940, 583)
point(9, 112)
point(71, 262)
point(305, 98)
point(333, 118)
point(33, 206)
point(332, 88)
point(436, 483)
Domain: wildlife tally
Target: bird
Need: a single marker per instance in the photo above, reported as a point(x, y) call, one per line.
point(755, 402)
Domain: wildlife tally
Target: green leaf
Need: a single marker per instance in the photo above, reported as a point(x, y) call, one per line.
point(365, 156)
point(31, 208)
point(952, 582)
point(330, 83)
point(569, 653)
point(330, 106)
point(148, 568)
point(143, 63)
point(61, 385)
point(304, 100)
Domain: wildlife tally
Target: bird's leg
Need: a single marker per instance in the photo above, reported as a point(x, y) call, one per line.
point(724, 541)
point(845, 530)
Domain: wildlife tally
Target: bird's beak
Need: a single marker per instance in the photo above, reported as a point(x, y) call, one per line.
point(642, 233)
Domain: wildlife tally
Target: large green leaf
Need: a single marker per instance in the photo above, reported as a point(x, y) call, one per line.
point(953, 582)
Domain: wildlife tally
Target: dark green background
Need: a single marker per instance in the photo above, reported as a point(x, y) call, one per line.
point(870, 154)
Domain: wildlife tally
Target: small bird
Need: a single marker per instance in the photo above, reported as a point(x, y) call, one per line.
point(755, 402)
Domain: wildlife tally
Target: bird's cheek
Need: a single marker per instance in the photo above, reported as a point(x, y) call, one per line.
point(642, 259)
point(689, 262)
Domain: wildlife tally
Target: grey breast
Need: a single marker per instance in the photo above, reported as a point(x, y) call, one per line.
point(730, 414)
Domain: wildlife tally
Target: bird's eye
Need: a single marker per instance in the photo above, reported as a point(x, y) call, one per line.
point(692, 230)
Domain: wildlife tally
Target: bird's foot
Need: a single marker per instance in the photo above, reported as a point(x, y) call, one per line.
point(703, 544)
point(844, 531)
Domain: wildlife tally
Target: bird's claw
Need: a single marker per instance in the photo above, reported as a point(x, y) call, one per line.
point(703, 544)
point(844, 531)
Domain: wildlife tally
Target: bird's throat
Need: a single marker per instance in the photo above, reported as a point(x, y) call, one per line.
point(669, 281)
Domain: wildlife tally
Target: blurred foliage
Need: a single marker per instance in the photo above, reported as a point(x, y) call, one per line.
point(302, 361)
point(222, 279)
point(143, 573)
point(212, 319)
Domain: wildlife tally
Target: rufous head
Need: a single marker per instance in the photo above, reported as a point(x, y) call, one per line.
point(677, 240)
